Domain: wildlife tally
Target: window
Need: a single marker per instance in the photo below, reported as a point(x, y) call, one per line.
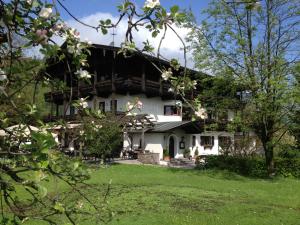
point(102, 106)
point(113, 105)
point(194, 141)
point(170, 110)
point(207, 141)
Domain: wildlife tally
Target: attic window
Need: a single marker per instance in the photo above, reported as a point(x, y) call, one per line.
point(207, 141)
point(171, 110)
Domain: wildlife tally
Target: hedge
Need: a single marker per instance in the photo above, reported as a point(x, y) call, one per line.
point(253, 167)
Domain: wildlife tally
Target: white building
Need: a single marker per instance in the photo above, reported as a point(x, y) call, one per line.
point(117, 81)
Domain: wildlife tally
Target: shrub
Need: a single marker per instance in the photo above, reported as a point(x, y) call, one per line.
point(103, 139)
point(186, 153)
point(253, 166)
point(289, 152)
point(288, 167)
point(166, 153)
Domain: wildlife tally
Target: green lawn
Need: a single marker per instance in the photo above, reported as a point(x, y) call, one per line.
point(154, 195)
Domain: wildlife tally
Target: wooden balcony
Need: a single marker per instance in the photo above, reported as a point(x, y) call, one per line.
point(121, 85)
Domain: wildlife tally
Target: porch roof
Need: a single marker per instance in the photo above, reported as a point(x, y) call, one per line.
point(187, 126)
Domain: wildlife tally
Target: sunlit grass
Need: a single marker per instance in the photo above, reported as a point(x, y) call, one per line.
point(154, 195)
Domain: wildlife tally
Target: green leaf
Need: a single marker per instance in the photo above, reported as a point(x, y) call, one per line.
point(103, 30)
point(75, 165)
point(174, 9)
point(59, 207)
point(155, 33)
point(42, 191)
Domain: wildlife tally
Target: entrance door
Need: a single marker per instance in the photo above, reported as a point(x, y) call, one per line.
point(171, 147)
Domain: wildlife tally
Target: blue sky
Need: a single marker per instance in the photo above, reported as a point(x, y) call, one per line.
point(91, 11)
point(83, 8)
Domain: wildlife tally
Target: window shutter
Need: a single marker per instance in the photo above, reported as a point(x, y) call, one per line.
point(212, 141)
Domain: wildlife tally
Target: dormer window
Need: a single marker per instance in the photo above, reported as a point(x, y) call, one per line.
point(171, 110)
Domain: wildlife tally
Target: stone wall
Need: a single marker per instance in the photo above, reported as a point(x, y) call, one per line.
point(148, 158)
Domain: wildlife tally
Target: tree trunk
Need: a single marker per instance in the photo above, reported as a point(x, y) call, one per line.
point(269, 158)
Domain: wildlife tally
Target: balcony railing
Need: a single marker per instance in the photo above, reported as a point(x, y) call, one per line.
point(121, 85)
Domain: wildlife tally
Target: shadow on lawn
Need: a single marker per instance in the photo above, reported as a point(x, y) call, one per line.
point(216, 174)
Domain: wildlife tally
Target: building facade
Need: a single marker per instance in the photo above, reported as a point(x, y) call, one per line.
point(118, 80)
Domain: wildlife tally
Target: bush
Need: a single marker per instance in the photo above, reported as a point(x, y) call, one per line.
point(253, 167)
point(289, 152)
point(186, 153)
point(288, 167)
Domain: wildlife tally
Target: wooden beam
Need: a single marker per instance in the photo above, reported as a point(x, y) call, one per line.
point(160, 86)
point(143, 78)
point(143, 139)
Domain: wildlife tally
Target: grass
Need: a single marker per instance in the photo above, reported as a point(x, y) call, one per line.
point(145, 195)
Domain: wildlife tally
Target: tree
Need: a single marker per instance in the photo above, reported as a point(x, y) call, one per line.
point(256, 43)
point(104, 142)
point(295, 116)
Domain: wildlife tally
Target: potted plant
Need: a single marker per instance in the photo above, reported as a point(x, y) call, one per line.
point(166, 155)
point(186, 153)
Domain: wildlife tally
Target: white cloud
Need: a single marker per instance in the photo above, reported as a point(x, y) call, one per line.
point(170, 48)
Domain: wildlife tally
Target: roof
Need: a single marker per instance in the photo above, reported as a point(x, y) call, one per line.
point(187, 126)
point(149, 56)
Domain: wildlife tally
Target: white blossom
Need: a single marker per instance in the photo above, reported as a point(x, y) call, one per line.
point(3, 76)
point(166, 75)
point(83, 103)
point(29, 2)
point(74, 33)
point(88, 41)
point(42, 35)
point(59, 27)
point(171, 89)
point(83, 62)
point(201, 113)
point(194, 84)
point(129, 106)
point(45, 13)
point(75, 49)
point(83, 74)
point(139, 104)
point(151, 4)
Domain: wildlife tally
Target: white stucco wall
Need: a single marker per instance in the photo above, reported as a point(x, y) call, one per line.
point(215, 150)
point(156, 142)
point(152, 106)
